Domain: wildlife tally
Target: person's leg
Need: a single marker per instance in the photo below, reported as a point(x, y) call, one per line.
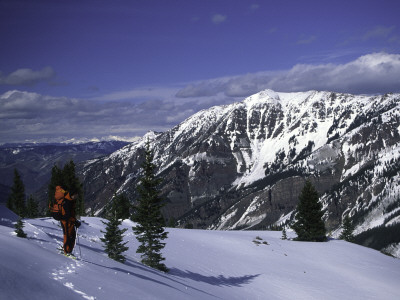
point(72, 236)
point(69, 237)
point(64, 227)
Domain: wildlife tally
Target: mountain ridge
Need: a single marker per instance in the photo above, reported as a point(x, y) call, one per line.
point(242, 166)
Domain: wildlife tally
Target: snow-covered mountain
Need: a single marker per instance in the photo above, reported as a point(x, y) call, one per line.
point(203, 264)
point(242, 166)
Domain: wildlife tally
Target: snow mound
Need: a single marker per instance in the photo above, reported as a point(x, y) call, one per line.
point(203, 265)
point(7, 217)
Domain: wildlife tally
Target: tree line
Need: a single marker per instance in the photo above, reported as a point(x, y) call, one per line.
point(29, 208)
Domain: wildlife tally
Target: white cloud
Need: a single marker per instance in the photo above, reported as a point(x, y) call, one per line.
point(29, 116)
point(217, 18)
point(27, 76)
point(372, 73)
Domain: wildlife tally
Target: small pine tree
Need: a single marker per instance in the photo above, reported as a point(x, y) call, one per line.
point(172, 222)
point(113, 239)
point(348, 228)
point(189, 226)
point(19, 229)
point(309, 225)
point(149, 229)
point(284, 235)
point(32, 208)
point(16, 200)
point(120, 206)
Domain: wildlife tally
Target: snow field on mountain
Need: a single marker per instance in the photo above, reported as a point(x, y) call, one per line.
point(298, 113)
point(203, 265)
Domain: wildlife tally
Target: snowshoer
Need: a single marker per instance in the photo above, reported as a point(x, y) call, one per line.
point(68, 218)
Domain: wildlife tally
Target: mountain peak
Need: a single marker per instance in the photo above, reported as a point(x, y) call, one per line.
point(278, 98)
point(264, 96)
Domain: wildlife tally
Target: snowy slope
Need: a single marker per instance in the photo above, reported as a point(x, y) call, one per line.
point(203, 265)
point(7, 217)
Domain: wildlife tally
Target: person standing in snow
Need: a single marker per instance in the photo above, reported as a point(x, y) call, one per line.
point(68, 219)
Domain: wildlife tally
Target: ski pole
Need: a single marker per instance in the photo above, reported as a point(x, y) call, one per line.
point(80, 253)
point(77, 242)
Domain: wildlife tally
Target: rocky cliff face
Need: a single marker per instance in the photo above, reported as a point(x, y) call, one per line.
point(243, 165)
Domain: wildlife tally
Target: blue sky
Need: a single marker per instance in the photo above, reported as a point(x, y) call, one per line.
point(98, 59)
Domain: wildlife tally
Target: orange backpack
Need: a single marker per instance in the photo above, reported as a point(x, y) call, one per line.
point(58, 208)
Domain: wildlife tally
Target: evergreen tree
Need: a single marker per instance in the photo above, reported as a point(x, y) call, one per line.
point(120, 206)
point(113, 239)
point(172, 222)
point(149, 229)
point(19, 229)
point(67, 179)
point(189, 226)
point(348, 228)
point(16, 200)
point(309, 225)
point(32, 208)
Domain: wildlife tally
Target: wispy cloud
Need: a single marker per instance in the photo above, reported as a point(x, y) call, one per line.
point(254, 7)
point(141, 94)
point(372, 73)
point(26, 77)
point(218, 18)
point(272, 30)
point(307, 40)
point(383, 35)
point(378, 32)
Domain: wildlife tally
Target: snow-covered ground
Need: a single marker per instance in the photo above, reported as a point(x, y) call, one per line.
point(203, 265)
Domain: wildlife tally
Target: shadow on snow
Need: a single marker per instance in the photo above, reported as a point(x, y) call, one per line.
point(220, 280)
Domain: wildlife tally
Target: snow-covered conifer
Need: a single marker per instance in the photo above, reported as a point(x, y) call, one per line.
point(150, 222)
point(113, 239)
point(348, 228)
point(309, 225)
point(19, 228)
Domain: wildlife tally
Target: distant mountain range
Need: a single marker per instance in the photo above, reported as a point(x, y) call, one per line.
point(242, 166)
point(35, 161)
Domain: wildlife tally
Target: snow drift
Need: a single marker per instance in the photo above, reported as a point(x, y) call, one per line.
point(203, 265)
